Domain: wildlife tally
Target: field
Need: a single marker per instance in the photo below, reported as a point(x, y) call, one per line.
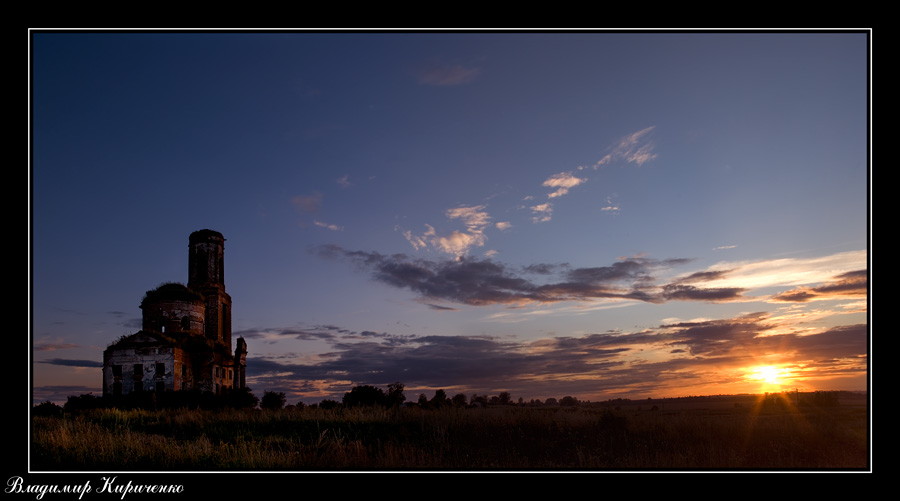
point(702, 433)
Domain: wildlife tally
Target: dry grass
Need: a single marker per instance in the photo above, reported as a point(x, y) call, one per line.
point(497, 438)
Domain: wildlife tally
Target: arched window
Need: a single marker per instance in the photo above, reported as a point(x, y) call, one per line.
point(186, 322)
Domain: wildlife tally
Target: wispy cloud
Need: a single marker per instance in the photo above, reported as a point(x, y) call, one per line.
point(562, 182)
point(456, 243)
point(307, 203)
point(54, 346)
point(633, 148)
point(850, 285)
point(542, 212)
point(610, 207)
point(71, 363)
point(332, 227)
point(447, 75)
point(485, 282)
point(482, 282)
point(789, 272)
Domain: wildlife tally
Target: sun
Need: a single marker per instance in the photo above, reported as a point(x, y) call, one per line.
point(768, 374)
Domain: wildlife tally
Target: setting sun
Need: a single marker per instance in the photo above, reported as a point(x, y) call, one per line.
point(768, 374)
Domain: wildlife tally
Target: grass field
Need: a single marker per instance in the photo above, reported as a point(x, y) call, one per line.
point(719, 434)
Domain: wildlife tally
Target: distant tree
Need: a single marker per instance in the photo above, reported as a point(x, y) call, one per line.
point(273, 400)
point(423, 400)
point(504, 398)
point(395, 396)
point(329, 404)
point(459, 400)
point(551, 401)
point(568, 401)
point(439, 399)
point(364, 395)
point(47, 409)
point(300, 406)
point(481, 400)
point(75, 403)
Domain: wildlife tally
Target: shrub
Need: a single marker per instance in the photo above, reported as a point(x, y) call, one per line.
point(273, 400)
point(47, 409)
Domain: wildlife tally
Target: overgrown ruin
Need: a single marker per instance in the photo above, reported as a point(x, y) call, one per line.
point(185, 338)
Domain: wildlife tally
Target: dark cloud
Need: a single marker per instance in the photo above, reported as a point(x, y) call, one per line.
point(440, 308)
point(54, 347)
point(324, 332)
point(601, 363)
point(71, 363)
point(60, 394)
point(702, 276)
point(485, 282)
point(850, 285)
point(675, 292)
point(759, 334)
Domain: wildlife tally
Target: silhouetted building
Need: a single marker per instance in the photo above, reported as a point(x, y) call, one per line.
point(185, 339)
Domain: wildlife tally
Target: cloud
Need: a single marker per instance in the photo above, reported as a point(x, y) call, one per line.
point(307, 203)
point(332, 227)
point(71, 363)
point(562, 182)
point(456, 243)
point(344, 181)
point(850, 285)
point(610, 206)
point(632, 148)
point(484, 282)
point(542, 212)
point(448, 75)
point(54, 346)
point(761, 334)
point(791, 272)
point(586, 366)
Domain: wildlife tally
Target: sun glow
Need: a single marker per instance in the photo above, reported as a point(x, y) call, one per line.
point(767, 374)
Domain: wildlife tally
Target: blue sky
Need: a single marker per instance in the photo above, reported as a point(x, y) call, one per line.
point(599, 214)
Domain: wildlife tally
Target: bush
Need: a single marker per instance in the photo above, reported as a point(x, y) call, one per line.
point(329, 404)
point(273, 400)
point(48, 409)
point(364, 395)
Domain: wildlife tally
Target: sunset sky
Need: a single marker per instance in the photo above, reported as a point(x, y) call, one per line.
point(599, 215)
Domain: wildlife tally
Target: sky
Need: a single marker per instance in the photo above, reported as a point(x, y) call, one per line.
point(589, 214)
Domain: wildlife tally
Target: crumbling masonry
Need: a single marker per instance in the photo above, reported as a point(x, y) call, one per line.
point(185, 339)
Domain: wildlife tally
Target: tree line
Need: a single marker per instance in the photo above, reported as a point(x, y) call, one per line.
point(393, 396)
point(358, 396)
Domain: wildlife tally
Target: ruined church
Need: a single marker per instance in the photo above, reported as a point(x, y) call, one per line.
point(185, 339)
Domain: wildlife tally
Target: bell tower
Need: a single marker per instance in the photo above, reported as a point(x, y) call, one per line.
point(206, 275)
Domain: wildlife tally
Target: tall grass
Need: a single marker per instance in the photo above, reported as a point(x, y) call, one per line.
point(496, 438)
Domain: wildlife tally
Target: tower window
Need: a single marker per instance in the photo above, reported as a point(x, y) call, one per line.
point(185, 323)
point(160, 369)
